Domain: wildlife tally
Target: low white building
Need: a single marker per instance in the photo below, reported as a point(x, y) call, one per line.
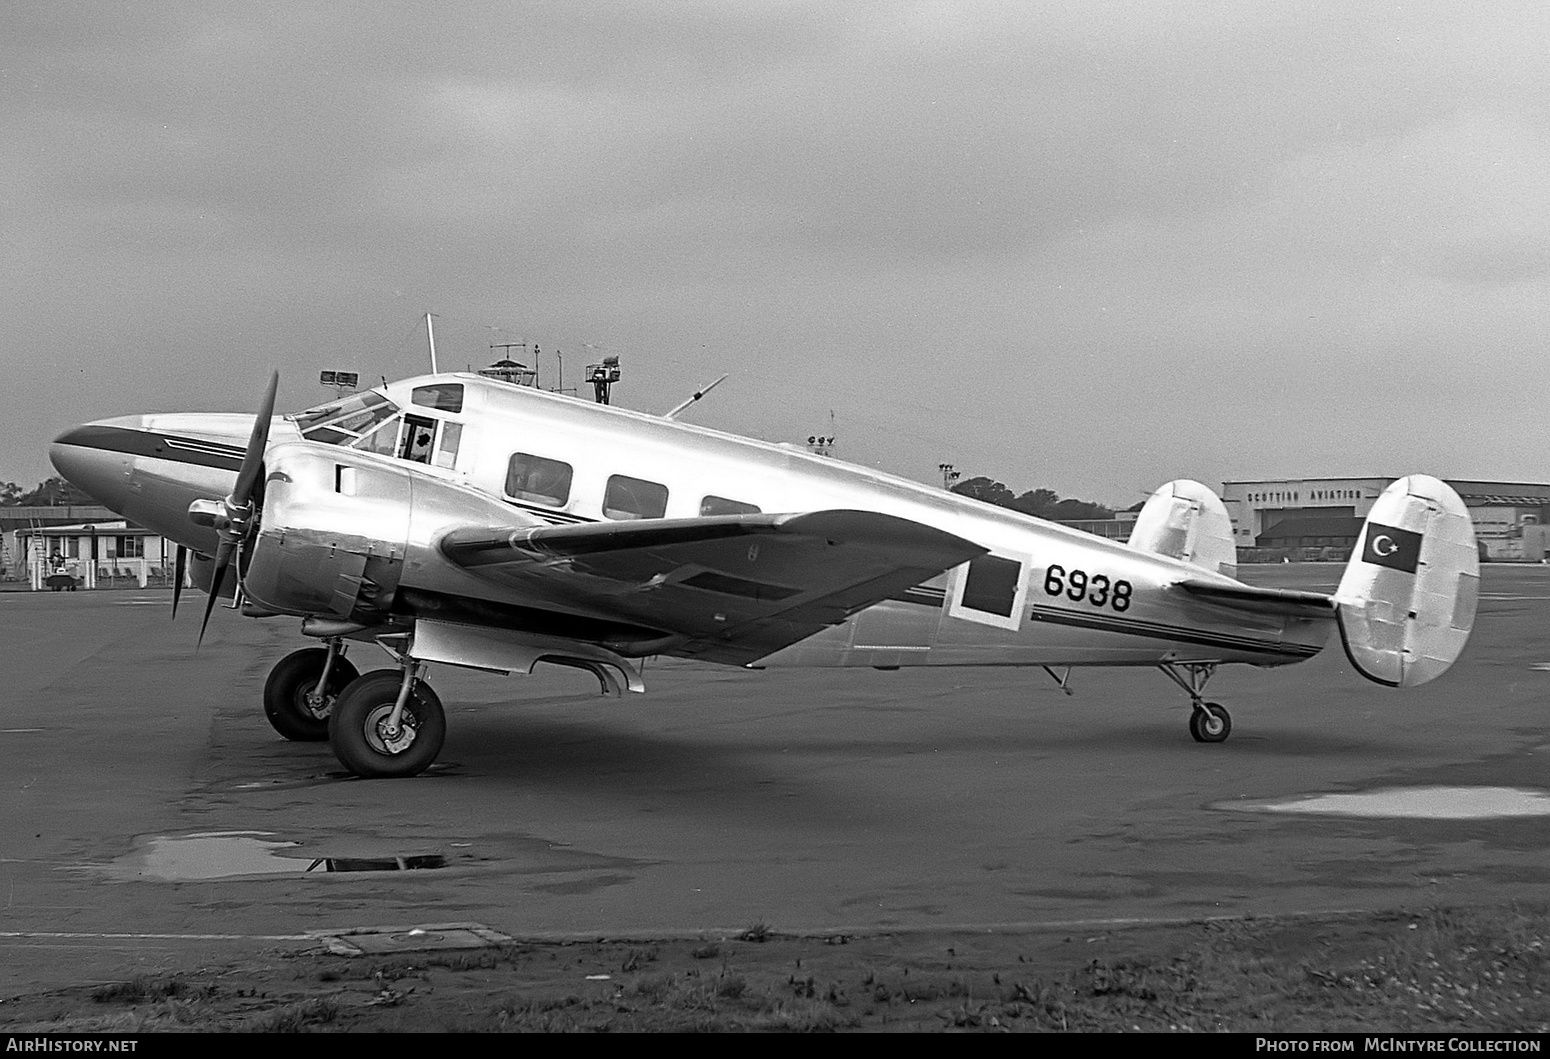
point(94, 553)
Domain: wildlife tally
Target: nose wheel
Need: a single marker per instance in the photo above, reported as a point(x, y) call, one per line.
point(1209, 722)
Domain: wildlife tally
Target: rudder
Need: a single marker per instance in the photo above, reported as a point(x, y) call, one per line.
point(1406, 602)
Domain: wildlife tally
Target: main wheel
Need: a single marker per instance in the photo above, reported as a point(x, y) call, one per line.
point(294, 678)
point(363, 742)
point(1210, 724)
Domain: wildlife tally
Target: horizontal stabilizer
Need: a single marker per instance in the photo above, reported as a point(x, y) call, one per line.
point(1187, 521)
point(1407, 599)
point(1277, 601)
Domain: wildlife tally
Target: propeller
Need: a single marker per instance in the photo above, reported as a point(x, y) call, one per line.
point(178, 568)
point(233, 517)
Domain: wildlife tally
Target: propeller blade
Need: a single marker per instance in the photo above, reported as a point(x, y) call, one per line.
point(239, 505)
point(178, 568)
point(247, 474)
point(222, 561)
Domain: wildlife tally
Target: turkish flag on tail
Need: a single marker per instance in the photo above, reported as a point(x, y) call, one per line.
point(1390, 546)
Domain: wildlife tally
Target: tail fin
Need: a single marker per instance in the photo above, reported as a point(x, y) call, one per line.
point(1186, 520)
point(1407, 600)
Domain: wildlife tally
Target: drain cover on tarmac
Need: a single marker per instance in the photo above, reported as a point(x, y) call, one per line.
point(359, 941)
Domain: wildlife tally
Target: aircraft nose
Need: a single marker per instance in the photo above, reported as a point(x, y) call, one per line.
point(88, 459)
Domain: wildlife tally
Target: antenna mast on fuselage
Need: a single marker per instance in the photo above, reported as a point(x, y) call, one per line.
point(430, 337)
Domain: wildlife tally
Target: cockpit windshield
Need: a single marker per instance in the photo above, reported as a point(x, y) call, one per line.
point(344, 422)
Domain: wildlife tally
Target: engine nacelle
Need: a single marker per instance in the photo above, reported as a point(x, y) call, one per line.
point(333, 533)
point(341, 532)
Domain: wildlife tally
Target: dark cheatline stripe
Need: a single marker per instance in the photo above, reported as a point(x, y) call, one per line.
point(133, 442)
point(921, 595)
point(553, 517)
point(1161, 631)
point(1153, 630)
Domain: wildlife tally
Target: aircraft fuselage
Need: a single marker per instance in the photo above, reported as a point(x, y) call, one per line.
point(351, 522)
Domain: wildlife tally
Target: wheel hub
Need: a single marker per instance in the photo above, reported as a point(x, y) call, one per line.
point(386, 739)
point(317, 703)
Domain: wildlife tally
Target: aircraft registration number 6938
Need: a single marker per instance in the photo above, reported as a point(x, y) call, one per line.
point(1097, 589)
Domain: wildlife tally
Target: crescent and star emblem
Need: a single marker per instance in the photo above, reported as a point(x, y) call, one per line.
point(1383, 544)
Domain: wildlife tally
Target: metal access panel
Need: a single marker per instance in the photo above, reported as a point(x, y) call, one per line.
point(362, 941)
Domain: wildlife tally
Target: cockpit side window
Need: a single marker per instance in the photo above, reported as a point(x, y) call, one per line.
point(343, 422)
point(381, 440)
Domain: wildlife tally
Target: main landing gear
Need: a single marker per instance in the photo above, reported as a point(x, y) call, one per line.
point(387, 723)
point(1209, 722)
point(302, 689)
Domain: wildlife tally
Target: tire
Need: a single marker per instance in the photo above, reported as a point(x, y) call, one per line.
point(355, 727)
point(1211, 724)
point(285, 693)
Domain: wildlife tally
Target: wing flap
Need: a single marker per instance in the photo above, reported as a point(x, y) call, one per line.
point(734, 588)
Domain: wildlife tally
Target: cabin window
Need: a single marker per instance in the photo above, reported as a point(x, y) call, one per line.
point(534, 478)
point(991, 585)
point(418, 437)
point(634, 498)
point(451, 437)
point(443, 396)
point(720, 505)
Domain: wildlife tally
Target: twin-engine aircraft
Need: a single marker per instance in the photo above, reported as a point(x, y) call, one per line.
point(467, 521)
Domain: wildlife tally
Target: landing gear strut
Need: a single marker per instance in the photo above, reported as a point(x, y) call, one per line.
point(388, 723)
point(302, 688)
point(1209, 722)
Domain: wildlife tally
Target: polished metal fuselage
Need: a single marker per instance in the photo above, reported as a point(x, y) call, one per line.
point(351, 536)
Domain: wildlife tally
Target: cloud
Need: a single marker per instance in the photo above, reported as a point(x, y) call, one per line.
point(1016, 237)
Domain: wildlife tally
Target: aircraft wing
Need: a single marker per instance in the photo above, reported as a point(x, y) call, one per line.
point(1279, 602)
point(730, 588)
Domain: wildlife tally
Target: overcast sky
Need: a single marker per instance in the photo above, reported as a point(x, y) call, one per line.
point(1089, 246)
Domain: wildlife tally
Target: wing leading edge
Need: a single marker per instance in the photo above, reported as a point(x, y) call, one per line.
point(728, 588)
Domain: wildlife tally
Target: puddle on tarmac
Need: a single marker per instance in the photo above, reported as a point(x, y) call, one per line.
point(237, 854)
point(1418, 803)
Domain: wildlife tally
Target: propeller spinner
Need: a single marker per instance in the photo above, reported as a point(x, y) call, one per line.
point(233, 517)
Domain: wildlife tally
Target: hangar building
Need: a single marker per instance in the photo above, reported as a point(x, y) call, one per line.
point(1319, 518)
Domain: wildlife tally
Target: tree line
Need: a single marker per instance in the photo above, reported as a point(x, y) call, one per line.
point(53, 492)
point(1040, 503)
